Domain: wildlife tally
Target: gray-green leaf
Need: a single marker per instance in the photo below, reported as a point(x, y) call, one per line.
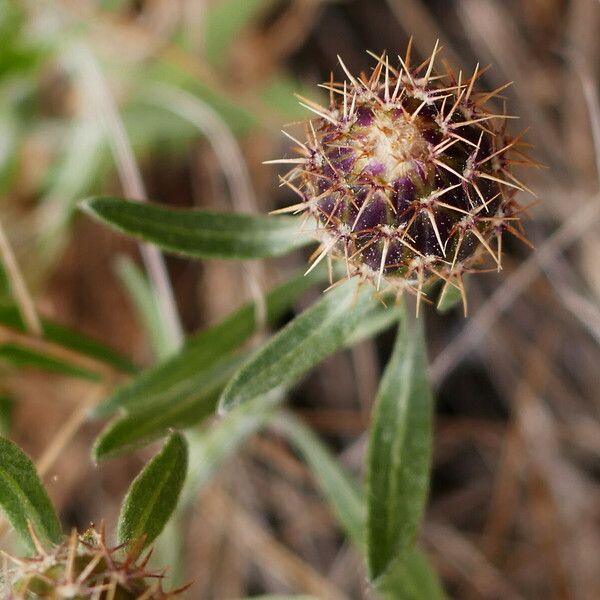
point(327, 326)
point(182, 390)
point(23, 498)
point(176, 377)
point(200, 234)
point(412, 578)
point(154, 493)
point(190, 402)
point(399, 451)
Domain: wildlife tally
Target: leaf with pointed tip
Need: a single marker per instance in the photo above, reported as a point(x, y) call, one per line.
point(175, 377)
point(23, 498)
point(399, 451)
point(328, 325)
point(412, 577)
point(21, 357)
point(153, 495)
point(200, 234)
point(191, 402)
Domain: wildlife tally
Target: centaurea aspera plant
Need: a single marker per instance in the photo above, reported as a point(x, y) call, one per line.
point(407, 179)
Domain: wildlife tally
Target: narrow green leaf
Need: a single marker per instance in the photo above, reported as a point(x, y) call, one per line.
point(399, 451)
point(23, 497)
point(200, 234)
point(208, 449)
point(319, 331)
point(412, 578)
point(343, 495)
point(378, 319)
point(167, 380)
point(189, 403)
point(69, 338)
point(153, 495)
point(24, 357)
point(20, 54)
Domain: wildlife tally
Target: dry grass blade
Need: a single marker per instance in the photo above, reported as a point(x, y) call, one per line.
point(58, 352)
point(19, 288)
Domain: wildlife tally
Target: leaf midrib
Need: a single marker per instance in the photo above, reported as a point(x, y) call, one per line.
point(398, 446)
point(208, 230)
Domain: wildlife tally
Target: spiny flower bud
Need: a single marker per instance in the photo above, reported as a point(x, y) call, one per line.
point(84, 568)
point(408, 176)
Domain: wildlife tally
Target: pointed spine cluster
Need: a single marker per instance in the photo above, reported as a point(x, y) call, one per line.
point(408, 175)
point(83, 568)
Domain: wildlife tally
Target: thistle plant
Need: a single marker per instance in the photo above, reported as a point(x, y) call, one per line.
point(407, 174)
point(406, 178)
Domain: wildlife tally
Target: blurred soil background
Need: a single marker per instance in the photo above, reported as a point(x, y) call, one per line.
point(514, 510)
